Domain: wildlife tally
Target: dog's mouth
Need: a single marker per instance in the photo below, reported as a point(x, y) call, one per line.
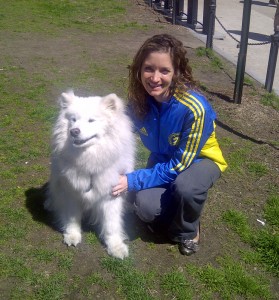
point(77, 142)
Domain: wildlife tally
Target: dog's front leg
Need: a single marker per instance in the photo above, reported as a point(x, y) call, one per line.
point(71, 222)
point(112, 227)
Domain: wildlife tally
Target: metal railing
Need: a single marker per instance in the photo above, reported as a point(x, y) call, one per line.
point(176, 7)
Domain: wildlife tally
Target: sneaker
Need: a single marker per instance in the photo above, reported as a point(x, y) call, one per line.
point(188, 247)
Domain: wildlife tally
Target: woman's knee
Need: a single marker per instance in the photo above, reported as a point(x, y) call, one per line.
point(188, 192)
point(195, 182)
point(184, 187)
point(145, 207)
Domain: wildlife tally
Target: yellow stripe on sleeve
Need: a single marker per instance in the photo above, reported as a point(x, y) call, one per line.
point(196, 131)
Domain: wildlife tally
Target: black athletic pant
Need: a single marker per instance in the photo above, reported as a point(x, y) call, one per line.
point(179, 205)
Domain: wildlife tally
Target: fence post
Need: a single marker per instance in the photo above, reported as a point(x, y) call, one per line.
point(166, 4)
point(240, 70)
point(272, 61)
point(177, 8)
point(174, 9)
point(211, 23)
point(206, 15)
point(192, 13)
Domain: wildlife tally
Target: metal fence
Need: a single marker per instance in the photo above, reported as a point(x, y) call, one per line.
point(175, 8)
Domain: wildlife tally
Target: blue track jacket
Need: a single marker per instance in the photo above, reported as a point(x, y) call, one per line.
point(182, 132)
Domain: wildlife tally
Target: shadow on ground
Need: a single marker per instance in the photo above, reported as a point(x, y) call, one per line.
point(35, 198)
point(134, 227)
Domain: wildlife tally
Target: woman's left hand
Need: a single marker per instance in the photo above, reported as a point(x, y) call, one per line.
point(121, 187)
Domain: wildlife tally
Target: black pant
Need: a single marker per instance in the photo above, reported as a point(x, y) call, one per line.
point(179, 204)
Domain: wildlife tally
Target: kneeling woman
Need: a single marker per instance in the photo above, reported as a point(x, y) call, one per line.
point(177, 125)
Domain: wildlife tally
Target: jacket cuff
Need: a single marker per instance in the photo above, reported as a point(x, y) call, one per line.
point(130, 182)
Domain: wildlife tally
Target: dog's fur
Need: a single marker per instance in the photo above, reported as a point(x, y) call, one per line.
point(92, 144)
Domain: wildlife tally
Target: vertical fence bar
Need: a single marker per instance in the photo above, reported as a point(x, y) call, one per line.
point(166, 4)
point(238, 88)
point(211, 24)
point(192, 13)
point(174, 8)
point(180, 9)
point(272, 61)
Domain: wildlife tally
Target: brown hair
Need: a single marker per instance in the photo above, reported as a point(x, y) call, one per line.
point(182, 78)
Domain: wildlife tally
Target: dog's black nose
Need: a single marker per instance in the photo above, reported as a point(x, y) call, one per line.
point(75, 132)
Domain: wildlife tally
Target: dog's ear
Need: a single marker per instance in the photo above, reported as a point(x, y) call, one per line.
point(112, 102)
point(66, 99)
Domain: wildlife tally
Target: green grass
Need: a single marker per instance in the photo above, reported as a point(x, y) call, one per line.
point(240, 160)
point(215, 62)
point(238, 222)
point(91, 238)
point(47, 286)
point(231, 281)
point(271, 99)
point(52, 16)
point(176, 285)
point(265, 241)
point(258, 169)
point(142, 155)
point(132, 283)
point(271, 210)
point(238, 157)
point(248, 81)
point(64, 260)
point(96, 278)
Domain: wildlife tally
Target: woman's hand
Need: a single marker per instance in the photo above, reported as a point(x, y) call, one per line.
point(121, 187)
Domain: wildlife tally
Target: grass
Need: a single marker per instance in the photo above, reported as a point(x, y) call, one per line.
point(270, 99)
point(47, 286)
point(230, 280)
point(215, 62)
point(265, 242)
point(34, 264)
point(132, 283)
point(176, 285)
point(271, 210)
point(53, 16)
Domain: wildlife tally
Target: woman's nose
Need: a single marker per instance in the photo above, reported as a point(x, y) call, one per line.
point(155, 76)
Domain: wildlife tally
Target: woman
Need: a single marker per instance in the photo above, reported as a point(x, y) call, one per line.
point(176, 124)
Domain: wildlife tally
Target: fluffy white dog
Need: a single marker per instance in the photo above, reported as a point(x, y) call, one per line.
point(92, 144)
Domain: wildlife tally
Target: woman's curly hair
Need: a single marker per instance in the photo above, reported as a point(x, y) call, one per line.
point(182, 79)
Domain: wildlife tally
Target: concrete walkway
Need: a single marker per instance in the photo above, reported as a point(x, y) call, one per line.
point(230, 13)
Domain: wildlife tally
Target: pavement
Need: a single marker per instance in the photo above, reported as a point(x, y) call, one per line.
point(230, 14)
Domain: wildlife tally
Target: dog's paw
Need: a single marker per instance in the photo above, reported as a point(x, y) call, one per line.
point(118, 249)
point(72, 238)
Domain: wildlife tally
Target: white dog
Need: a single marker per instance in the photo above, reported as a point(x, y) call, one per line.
point(92, 145)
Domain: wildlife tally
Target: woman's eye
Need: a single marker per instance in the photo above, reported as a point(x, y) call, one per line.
point(91, 120)
point(165, 72)
point(148, 69)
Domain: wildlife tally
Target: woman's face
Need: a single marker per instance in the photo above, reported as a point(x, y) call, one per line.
point(157, 72)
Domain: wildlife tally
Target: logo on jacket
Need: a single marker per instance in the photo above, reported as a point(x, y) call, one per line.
point(143, 131)
point(174, 139)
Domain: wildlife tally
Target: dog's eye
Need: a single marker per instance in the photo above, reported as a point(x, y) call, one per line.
point(91, 120)
point(73, 119)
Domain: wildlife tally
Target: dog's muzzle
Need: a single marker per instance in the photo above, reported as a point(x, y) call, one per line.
point(76, 141)
point(75, 132)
